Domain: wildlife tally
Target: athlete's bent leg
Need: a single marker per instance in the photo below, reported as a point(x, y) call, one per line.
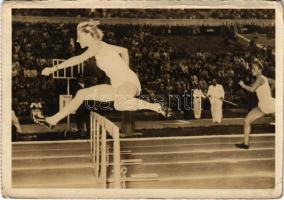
point(125, 100)
point(102, 93)
point(253, 115)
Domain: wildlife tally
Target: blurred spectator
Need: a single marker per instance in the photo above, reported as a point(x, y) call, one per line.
point(36, 109)
point(153, 13)
point(16, 127)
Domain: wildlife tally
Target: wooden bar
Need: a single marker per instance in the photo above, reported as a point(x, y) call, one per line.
point(91, 133)
point(116, 161)
point(104, 159)
point(97, 151)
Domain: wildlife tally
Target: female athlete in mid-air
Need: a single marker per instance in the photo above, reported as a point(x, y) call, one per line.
point(114, 61)
point(266, 103)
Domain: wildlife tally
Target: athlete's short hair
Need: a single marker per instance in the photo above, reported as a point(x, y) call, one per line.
point(91, 27)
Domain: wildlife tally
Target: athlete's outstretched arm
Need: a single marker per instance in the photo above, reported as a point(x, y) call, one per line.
point(123, 52)
point(259, 81)
point(69, 62)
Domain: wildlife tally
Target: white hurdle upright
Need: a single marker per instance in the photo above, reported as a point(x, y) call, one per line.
point(100, 128)
point(67, 74)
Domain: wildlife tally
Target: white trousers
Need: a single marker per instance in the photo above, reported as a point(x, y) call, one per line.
point(197, 107)
point(216, 111)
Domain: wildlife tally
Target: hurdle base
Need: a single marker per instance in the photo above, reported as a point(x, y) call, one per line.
point(127, 123)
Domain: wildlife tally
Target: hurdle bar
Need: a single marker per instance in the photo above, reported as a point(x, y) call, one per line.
point(100, 127)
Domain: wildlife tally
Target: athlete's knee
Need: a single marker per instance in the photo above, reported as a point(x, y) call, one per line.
point(81, 93)
point(119, 106)
point(122, 102)
point(247, 121)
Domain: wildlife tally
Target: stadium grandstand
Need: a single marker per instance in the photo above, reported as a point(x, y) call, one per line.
point(190, 54)
point(153, 13)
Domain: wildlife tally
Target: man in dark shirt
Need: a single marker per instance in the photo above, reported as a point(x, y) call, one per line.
point(82, 115)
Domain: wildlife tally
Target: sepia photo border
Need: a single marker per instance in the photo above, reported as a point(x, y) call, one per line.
point(6, 80)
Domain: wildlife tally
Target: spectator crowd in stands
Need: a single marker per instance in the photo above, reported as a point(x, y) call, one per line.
point(153, 13)
point(163, 67)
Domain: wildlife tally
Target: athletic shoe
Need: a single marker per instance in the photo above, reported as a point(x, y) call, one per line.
point(166, 112)
point(42, 121)
point(242, 146)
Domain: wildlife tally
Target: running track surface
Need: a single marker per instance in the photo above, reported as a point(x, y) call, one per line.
point(201, 162)
point(34, 128)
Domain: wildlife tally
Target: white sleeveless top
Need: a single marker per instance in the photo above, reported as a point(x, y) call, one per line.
point(114, 66)
point(265, 100)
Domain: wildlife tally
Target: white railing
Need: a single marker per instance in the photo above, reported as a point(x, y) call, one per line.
point(100, 128)
point(69, 72)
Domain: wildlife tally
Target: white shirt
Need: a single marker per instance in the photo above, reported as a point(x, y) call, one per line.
point(35, 105)
point(197, 93)
point(265, 100)
point(216, 92)
point(82, 85)
point(263, 92)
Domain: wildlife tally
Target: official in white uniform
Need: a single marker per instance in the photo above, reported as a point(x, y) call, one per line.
point(216, 96)
point(197, 101)
point(266, 103)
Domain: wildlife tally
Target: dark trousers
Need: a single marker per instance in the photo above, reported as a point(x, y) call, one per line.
point(14, 133)
point(83, 118)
